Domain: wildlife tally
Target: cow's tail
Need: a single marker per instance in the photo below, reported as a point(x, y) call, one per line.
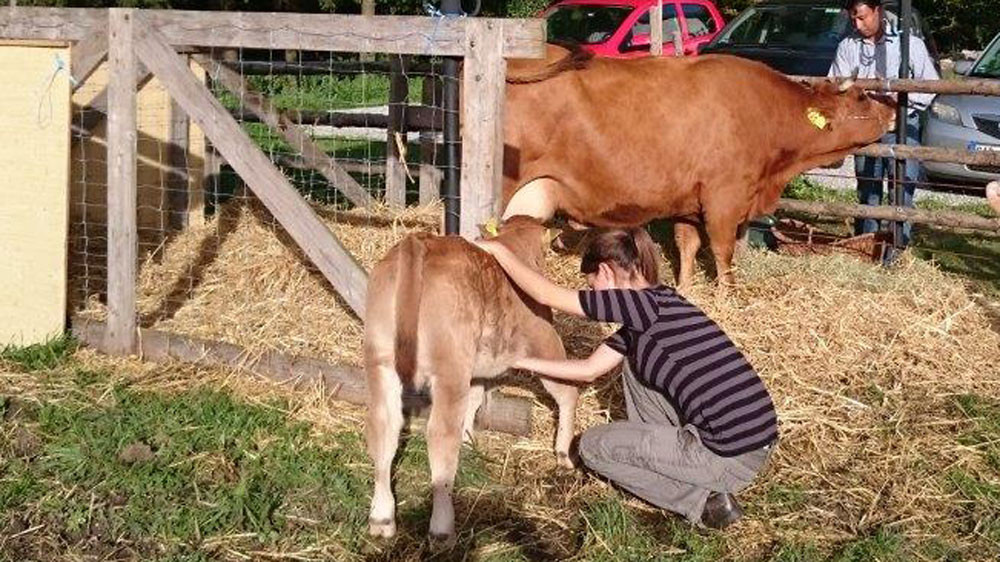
point(409, 284)
point(575, 59)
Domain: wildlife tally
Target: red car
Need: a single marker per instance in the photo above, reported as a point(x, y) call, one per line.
point(620, 28)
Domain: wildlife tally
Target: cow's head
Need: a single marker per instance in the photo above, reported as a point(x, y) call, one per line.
point(525, 236)
point(850, 115)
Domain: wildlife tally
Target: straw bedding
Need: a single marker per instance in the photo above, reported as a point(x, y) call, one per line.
point(866, 366)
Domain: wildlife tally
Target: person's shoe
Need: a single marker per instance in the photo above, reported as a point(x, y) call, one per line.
point(721, 510)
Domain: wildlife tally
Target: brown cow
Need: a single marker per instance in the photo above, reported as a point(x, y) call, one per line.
point(442, 312)
point(710, 141)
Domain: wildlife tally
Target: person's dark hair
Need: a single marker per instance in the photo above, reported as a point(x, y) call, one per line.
point(632, 250)
point(851, 4)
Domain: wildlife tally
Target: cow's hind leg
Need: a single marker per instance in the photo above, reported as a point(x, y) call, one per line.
point(722, 230)
point(449, 403)
point(688, 241)
point(385, 420)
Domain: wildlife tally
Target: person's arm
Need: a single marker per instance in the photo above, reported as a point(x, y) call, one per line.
point(530, 281)
point(602, 360)
point(923, 69)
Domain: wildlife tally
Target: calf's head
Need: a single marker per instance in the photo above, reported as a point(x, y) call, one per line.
point(525, 236)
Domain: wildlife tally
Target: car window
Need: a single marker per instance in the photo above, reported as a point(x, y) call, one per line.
point(988, 65)
point(699, 20)
point(585, 24)
point(787, 26)
point(670, 23)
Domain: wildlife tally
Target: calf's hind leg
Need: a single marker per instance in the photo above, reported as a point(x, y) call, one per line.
point(385, 421)
point(449, 399)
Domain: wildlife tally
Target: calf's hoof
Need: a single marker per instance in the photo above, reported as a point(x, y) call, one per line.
point(385, 528)
point(441, 541)
point(565, 460)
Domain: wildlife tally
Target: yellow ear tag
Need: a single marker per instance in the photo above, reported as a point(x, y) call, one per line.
point(491, 227)
point(816, 118)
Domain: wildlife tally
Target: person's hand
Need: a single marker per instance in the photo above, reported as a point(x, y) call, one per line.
point(488, 246)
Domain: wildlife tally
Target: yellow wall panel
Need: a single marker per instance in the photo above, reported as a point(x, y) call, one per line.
point(34, 177)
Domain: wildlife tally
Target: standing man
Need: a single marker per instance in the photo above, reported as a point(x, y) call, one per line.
point(873, 51)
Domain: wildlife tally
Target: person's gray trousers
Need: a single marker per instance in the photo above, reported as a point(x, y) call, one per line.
point(655, 458)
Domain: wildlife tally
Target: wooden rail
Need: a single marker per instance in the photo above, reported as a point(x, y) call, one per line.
point(979, 86)
point(852, 210)
point(418, 35)
point(500, 412)
point(933, 153)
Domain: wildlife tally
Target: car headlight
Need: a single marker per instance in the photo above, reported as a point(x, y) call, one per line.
point(946, 113)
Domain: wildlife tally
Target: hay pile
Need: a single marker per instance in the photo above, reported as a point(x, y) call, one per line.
point(865, 365)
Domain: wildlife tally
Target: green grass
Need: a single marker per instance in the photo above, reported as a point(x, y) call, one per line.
point(614, 532)
point(217, 467)
point(980, 487)
point(45, 355)
point(323, 93)
point(881, 546)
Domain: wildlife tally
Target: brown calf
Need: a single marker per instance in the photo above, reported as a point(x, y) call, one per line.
point(442, 312)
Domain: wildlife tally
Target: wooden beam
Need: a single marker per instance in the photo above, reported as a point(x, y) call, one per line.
point(416, 118)
point(266, 181)
point(850, 210)
point(482, 125)
point(395, 179)
point(289, 130)
point(86, 55)
point(122, 233)
point(932, 153)
point(416, 35)
point(61, 24)
point(656, 29)
point(502, 412)
point(979, 86)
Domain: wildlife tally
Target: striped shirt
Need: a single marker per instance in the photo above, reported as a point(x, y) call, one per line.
point(674, 348)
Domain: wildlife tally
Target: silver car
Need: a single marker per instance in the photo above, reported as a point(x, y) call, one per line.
point(966, 122)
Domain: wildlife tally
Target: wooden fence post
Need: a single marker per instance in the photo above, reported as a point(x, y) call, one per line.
point(482, 124)
point(395, 134)
point(430, 174)
point(122, 235)
point(656, 29)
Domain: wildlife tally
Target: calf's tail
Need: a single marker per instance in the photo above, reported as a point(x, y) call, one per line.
point(409, 284)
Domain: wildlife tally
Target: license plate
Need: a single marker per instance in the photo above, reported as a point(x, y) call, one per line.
point(976, 147)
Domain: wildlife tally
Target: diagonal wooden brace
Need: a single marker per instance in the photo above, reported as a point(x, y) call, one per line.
point(87, 55)
point(266, 181)
point(262, 107)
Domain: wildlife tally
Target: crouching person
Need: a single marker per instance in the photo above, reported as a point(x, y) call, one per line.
point(701, 424)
